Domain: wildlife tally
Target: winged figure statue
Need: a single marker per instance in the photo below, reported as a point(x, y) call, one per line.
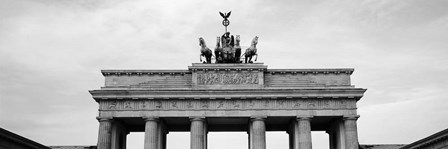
point(225, 15)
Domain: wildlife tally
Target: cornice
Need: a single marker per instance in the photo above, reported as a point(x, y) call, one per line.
point(143, 72)
point(348, 71)
point(260, 68)
point(350, 93)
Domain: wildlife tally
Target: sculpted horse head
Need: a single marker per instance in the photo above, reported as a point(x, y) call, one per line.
point(254, 41)
point(202, 42)
point(237, 40)
point(237, 48)
point(218, 44)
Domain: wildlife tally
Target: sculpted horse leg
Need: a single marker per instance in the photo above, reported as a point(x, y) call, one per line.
point(256, 57)
point(246, 55)
point(200, 57)
point(209, 57)
point(217, 56)
point(237, 55)
point(249, 59)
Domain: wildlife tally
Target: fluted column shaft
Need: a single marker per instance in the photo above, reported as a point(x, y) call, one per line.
point(250, 135)
point(351, 132)
point(259, 133)
point(302, 134)
point(338, 135)
point(197, 133)
point(162, 131)
point(205, 134)
point(104, 133)
point(151, 133)
point(290, 139)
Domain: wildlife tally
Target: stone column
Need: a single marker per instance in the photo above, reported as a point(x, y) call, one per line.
point(205, 134)
point(104, 133)
point(119, 133)
point(164, 140)
point(331, 138)
point(290, 139)
point(259, 133)
point(302, 134)
point(151, 133)
point(340, 135)
point(250, 135)
point(351, 132)
point(197, 134)
point(123, 146)
point(161, 132)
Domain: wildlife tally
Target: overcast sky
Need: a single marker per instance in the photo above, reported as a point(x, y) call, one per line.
point(52, 51)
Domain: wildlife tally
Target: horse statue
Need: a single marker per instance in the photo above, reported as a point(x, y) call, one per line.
point(205, 51)
point(218, 51)
point(251, 51)
point(237, 50)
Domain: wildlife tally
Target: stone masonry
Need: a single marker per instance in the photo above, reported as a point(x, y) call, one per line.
point(228, 97)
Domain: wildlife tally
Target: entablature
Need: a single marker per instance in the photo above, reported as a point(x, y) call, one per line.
point(348, 93)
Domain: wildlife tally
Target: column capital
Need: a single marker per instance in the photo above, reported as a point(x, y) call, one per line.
point(199, 118)
point(258, 118)
point(350, 117)
point(104, 119)
point(150, 118)
point(304, 117)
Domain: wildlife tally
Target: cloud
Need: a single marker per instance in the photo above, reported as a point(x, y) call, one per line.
point(51, 52)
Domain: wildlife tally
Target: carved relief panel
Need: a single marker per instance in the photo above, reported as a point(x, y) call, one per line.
point(227, 78)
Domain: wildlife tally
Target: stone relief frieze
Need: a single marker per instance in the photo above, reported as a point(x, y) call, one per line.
point(227, 78)
point(242, 104)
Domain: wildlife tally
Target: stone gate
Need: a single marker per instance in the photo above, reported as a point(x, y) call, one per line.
point(228, 97)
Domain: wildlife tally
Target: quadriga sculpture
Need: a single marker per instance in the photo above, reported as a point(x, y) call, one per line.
point(205, 51)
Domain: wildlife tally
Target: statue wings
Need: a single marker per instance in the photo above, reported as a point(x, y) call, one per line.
point(225, 15)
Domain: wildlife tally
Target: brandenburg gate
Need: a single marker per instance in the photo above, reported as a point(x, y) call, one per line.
point(228, 97)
